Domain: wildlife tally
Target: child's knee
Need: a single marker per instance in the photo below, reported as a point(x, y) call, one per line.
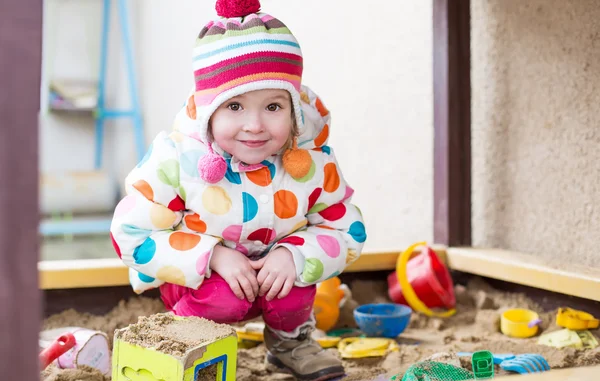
point(214, 301)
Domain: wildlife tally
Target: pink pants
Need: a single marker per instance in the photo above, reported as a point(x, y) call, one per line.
point(215, 301)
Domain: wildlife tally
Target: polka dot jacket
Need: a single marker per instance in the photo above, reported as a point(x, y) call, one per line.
point(166, 227)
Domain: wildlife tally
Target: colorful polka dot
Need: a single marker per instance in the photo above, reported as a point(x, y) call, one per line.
point(304, 97)
point(177, 136)
point(271, 167)
point(323, 136)
point(216, 201)
point(125, 206)
point(325, 227)
point(194, 222)
point(358, 232)
point(310, 174)
point(314, 196)
point(182, 193)
point(321, 107)
point(171, 274)
point(115, 245)
point(161, 216)
point(317, 208)
point(250, 206)
point(293, 240)
point(313, 270)
point(299, 225)
point(330, 245)
point(145, 252)
point(134, 231)
point(232, 233)
point(183, 241)
point(145, 189)
point(189, 162)
point(168, 172)
point(202, 263)
point(190, 108)
point(177, 204)
point(349, 193)
point(146, 156)
point(326, 149)
point(242, 249)
point(145, 278)
point(170, 142)
point(260, 177)
point(264, 235)
point(351, 256)
point(332, 178)
point(233, 177)
point(334, 212)
point(286, 204)
point(334, 275)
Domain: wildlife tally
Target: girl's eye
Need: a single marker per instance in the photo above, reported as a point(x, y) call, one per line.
point(273, 107)
point(234, 106)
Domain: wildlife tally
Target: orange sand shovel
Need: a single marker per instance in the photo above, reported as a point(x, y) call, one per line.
point(58, 348)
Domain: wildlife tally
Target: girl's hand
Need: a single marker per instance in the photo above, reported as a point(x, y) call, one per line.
point(277, 273)
point(235, 268)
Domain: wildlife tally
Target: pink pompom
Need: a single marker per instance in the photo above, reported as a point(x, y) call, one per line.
point(237, 8)
point(212, 168)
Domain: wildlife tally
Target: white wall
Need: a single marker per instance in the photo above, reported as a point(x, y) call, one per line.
point(371, 67)
point(71, 39)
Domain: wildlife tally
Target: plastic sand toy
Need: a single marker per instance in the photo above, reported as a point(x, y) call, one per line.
point(526, 363)
point(519, 323)
point(435, 371)
point(355, 347)
point(427, 285)
point(576, 320)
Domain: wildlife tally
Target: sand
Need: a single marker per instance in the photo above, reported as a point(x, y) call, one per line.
point(474, 327)
point(166, 334)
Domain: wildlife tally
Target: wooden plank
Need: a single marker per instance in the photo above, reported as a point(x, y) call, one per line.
point(86, 273)
point(20, 71)
point(571, 374)
point(452, 122)
point(528, 270)
point(83, 273)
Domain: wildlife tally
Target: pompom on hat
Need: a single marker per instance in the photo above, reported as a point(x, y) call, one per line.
point(245, 51)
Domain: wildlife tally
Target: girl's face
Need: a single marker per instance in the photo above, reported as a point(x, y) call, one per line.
point(254, 125)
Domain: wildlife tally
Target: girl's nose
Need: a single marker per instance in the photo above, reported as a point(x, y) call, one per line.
point(253, 124)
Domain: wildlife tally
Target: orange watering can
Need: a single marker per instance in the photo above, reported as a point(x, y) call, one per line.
point(327, 303)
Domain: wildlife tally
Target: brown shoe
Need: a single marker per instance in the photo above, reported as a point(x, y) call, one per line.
point(302, 357)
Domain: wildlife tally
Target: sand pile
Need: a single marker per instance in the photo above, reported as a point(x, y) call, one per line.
point(167, 334)
point(474, 327)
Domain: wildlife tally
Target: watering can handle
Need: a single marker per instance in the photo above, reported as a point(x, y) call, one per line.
point(409, 293)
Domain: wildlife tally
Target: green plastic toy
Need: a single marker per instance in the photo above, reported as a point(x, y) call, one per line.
point(483, 365)
point(435, 371)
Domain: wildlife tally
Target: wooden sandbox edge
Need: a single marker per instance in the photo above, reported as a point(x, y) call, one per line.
point(509, 266)
point(108, 272)
point(570, 374)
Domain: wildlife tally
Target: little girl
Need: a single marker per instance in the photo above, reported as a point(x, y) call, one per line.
point(243, 209)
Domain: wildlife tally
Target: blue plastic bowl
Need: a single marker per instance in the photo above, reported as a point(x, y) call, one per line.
point(382, 320)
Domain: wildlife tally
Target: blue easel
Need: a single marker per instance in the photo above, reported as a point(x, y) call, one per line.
point(101, 114)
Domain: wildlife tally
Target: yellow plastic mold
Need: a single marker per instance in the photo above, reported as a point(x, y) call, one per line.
point(576, 320)
point(519, 323)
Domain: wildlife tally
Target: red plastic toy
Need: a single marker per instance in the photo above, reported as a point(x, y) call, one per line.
point(430, 280)
point(58, 348)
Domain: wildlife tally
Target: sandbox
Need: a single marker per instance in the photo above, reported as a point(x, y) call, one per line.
point(473, 328)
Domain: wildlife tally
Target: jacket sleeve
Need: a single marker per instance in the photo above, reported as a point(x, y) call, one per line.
point(335, 233)
point(152, 232)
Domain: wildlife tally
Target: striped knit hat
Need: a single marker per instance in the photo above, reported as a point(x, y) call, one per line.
point(244, 51)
